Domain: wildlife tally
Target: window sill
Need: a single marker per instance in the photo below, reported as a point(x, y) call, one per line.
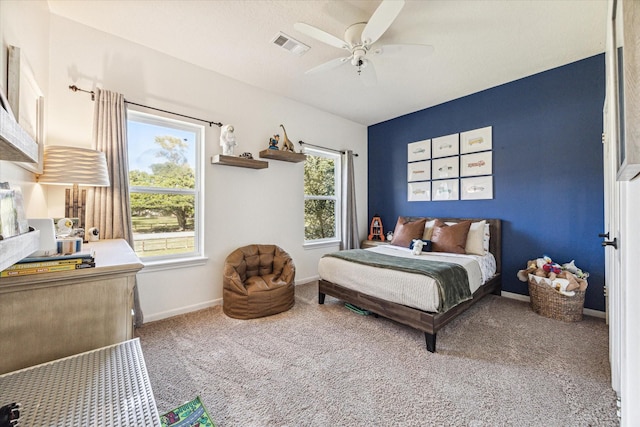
point(323, 244)
point(170, 264)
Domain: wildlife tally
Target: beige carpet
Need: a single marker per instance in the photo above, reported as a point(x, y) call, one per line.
point(499, 364)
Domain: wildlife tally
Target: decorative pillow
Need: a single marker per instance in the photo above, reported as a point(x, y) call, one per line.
point(426, 247)
point(475, 238)
point(406, 231)
point(450, 238)
point(428, 229)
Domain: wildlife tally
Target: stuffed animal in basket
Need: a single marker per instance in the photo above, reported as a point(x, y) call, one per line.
point(559, 277)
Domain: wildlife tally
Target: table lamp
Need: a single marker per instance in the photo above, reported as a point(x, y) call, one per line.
point(74, 166)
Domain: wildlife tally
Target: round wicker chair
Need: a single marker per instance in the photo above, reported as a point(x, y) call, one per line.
point(258, 281)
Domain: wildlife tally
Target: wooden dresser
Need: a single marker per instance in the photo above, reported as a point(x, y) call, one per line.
point(47, 316)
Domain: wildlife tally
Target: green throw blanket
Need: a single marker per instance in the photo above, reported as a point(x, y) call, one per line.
point(452, 279)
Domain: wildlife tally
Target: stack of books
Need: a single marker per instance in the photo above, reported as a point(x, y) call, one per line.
point(49, 264)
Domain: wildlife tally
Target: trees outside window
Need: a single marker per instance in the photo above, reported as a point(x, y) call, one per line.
point(321, 196)
point(164, 185)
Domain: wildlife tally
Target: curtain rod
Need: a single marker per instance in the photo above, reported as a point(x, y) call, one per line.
point(325, 148)
point(75, 88)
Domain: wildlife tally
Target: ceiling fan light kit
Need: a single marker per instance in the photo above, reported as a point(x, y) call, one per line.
point(358, 40)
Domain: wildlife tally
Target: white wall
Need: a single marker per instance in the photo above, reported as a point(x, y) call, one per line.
point(25, 24)
point(242, 206)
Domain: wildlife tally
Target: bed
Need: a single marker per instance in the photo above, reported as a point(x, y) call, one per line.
point(408, 297)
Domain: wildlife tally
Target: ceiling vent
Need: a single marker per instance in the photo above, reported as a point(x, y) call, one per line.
point(290, 44)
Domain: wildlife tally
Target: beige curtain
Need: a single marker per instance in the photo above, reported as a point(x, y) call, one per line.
point(108, 208)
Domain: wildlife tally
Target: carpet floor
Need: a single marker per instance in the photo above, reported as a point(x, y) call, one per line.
point(498, 364)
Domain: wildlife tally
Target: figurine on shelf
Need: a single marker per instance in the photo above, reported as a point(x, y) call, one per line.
point(273, 142)
point(286, 144)
point(246, 155)
point(227, 140)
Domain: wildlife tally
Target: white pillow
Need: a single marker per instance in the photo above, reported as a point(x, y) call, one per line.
point(428, 229)
point(477, 238)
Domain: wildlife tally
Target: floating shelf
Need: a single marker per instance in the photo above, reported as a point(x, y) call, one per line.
point(286, 156)
point(15, 248)
point(220, 159)
point(15, 143)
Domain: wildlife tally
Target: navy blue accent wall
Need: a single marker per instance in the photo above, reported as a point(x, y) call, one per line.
point(547, 168)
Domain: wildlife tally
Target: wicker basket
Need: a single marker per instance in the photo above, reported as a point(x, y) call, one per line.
point(548, 302)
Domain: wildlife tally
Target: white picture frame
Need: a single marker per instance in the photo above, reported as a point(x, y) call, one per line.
point(476, 188)
point(445, 146)
point(446, 189)
point(27, 103)
point(476, 140)
point(419, 171)
point(447, 167)
point(419, 191)
point(476, 164)
point(419, 150)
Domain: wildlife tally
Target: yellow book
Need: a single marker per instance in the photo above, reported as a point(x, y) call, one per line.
point(30, 265)
point(40, 270)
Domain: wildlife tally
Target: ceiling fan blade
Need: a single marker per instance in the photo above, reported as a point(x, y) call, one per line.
point(334, 63)
point(368, 75)
point(320, 35)
point(381, 19)
point(416, 50)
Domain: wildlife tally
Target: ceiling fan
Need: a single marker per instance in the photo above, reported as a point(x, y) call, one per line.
point(359, 39)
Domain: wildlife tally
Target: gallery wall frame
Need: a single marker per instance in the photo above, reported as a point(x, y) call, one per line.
point(476, 140)
point(476, 164)
point(419, 150)
point(419, 191)
point(446, 189)
point(445, 146)
point(476, 188)
point(419, 171)
point(27, 102)
point(447, 167)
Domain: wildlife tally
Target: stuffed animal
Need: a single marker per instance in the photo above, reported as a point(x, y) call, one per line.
point(417, 246)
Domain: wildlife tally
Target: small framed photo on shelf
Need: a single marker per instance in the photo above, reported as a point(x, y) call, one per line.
point(419, 171)
point(420, 150)
point(419, 191)
point(476, 188)
point(445, 146)
point(476, 140)
point(446, 189)
point(447, 167)
point(476, 164)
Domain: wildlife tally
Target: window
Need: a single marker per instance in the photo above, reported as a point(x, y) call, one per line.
point(321, 196)
point(164, 186)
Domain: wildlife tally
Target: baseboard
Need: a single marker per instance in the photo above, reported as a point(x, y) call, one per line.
point(525, 298)
point(181, 310)
point(307, 280)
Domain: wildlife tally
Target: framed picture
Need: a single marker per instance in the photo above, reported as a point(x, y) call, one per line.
point(420, 150)
point(477, 188)
point(476, 164)
point(419, 191)
point(476, 140)
point(445, 146)
point(445, 168)
point(446, 189)
point(27, 103)
point(419, 171)
point(627, 78)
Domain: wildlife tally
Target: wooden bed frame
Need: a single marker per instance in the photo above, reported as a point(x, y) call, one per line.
point(429, 323)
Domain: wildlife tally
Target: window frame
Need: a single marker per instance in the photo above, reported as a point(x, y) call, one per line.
point(198, 191)
point(337, 197)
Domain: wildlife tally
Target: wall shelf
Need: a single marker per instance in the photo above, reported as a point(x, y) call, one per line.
point(15, 143)
point(286, 156)
point(220, 159)
point(15, 248)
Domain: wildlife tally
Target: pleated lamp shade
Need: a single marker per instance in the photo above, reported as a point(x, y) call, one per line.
point(74, 165)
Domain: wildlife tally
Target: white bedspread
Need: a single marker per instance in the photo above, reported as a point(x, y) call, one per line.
point(413, 290)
